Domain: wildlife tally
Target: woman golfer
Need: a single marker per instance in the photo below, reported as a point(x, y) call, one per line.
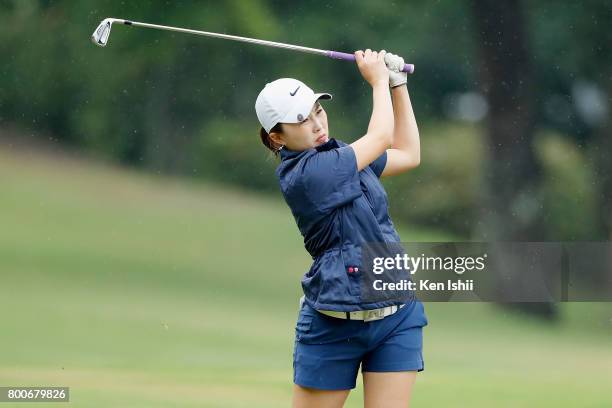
point(338, 202)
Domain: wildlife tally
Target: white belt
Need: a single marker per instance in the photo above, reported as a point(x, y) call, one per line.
point(365, 315)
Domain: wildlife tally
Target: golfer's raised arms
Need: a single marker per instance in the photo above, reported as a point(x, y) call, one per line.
point(380, 130)
point(405, 153)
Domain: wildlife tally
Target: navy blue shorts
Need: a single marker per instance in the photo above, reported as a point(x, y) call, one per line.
point(328, 350)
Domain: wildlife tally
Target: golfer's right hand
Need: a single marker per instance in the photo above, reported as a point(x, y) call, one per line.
point(372, 66)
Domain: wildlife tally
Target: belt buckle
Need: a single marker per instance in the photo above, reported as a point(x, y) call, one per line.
point(375, 314)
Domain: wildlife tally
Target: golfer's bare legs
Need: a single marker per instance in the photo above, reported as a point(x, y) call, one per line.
point(388, 390)
point(312, 398)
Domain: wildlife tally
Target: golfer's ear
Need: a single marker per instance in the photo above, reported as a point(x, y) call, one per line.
point(277, 138)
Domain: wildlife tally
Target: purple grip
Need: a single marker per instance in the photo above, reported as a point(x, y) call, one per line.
point(408, 68)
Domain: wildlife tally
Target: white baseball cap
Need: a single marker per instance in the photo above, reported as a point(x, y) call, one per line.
point(285, 100)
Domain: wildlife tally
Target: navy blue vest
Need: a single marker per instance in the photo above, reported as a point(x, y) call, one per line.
point(336, 209)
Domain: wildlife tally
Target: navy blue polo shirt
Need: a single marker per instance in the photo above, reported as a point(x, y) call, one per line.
point(336, 208)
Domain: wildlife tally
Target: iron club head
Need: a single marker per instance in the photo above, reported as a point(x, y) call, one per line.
point(101, 34)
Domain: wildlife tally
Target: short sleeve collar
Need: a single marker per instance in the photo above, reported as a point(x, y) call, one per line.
point(332, 143)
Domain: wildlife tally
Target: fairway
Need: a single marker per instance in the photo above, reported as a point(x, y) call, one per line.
point(137, 290)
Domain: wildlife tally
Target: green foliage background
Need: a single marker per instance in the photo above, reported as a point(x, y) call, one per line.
point(174, 103)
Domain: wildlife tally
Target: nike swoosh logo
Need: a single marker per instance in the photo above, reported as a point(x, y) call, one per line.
point(294, 92)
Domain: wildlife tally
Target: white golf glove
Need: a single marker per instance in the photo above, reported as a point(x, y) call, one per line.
point(395, 63)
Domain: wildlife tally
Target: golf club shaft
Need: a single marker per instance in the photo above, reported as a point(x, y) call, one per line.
point(409, 68)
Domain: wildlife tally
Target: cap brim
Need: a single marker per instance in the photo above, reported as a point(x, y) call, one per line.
point(324, 95)
point(303, 110)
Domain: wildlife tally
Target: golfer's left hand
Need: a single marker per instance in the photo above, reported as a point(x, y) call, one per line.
point(395, 63)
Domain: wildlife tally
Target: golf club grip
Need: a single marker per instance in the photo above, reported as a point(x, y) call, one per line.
point(408, 68)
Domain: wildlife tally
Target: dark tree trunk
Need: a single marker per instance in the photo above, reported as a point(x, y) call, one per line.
point(511, 204)
point(600, 150)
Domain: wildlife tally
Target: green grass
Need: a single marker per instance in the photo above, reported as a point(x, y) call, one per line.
point(143, 291)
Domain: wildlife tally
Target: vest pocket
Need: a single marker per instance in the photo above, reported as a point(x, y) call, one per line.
point(354, 282)
point(329, 281)
point(351, 255)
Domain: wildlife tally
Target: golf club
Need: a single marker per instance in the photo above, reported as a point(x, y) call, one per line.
point(101, 34)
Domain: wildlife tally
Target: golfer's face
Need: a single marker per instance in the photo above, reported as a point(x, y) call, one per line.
point(311, 132)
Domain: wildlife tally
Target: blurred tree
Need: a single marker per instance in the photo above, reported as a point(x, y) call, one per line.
point(573, 49)
point(510, 209)
point(595, 60)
